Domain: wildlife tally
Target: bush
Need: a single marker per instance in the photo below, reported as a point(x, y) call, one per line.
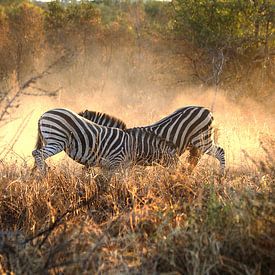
point(22, 36)
point(240, 29)
point(71, 23)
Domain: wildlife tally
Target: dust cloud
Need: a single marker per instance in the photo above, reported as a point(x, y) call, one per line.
point(240, 124)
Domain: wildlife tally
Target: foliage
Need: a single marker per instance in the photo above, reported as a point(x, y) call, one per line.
point(77, 15)
point(22, 36)
point(67, 25)
point(159, 15)
point(194, 33)
point(11, 2)
point(224, 24)
point(242, 30)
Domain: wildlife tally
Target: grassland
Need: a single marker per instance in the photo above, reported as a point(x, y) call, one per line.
point(145, 221)
point(139, 62)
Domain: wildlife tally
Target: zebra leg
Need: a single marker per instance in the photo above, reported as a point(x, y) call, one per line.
point(218, 153)
point(194, 157)
point(205, 143)
point(40, 155)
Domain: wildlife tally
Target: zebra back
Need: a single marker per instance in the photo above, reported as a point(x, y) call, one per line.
point(103, 119)
point(183, 125)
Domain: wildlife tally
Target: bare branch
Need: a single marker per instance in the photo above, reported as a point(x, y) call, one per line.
point(43, 92)
point(29, 82)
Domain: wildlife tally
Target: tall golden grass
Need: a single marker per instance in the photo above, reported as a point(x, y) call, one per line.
point(146, 220)
point(143, 221)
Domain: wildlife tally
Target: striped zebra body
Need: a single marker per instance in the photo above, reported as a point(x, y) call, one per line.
point(145, 152)
point(188, 128)
point(91, 144)
point(148, 148)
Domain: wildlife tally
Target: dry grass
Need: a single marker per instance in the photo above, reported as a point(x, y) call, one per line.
point(147, 221)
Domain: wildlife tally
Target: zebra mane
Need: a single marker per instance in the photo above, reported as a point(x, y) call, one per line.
point(148, 132)
point(103, 119)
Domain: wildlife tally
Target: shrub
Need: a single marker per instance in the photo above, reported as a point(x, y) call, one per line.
point(241, 30)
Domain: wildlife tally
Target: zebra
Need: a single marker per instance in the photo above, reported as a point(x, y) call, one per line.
point(91, 144)
point(143, 155)
point(188, 128)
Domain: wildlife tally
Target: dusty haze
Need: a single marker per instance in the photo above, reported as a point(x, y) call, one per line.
point(137, 101)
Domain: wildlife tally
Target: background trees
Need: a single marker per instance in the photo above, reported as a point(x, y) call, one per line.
point(239, 35)
point(242, 30)
point(22, 37)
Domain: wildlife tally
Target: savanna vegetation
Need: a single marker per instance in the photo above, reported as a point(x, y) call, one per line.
point(146, 220)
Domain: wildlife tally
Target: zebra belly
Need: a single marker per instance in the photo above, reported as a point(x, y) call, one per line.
point(108, 163)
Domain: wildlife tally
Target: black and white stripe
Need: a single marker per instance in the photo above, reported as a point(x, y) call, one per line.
point(147, 148)
point(95, 145)
point(188, 128)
